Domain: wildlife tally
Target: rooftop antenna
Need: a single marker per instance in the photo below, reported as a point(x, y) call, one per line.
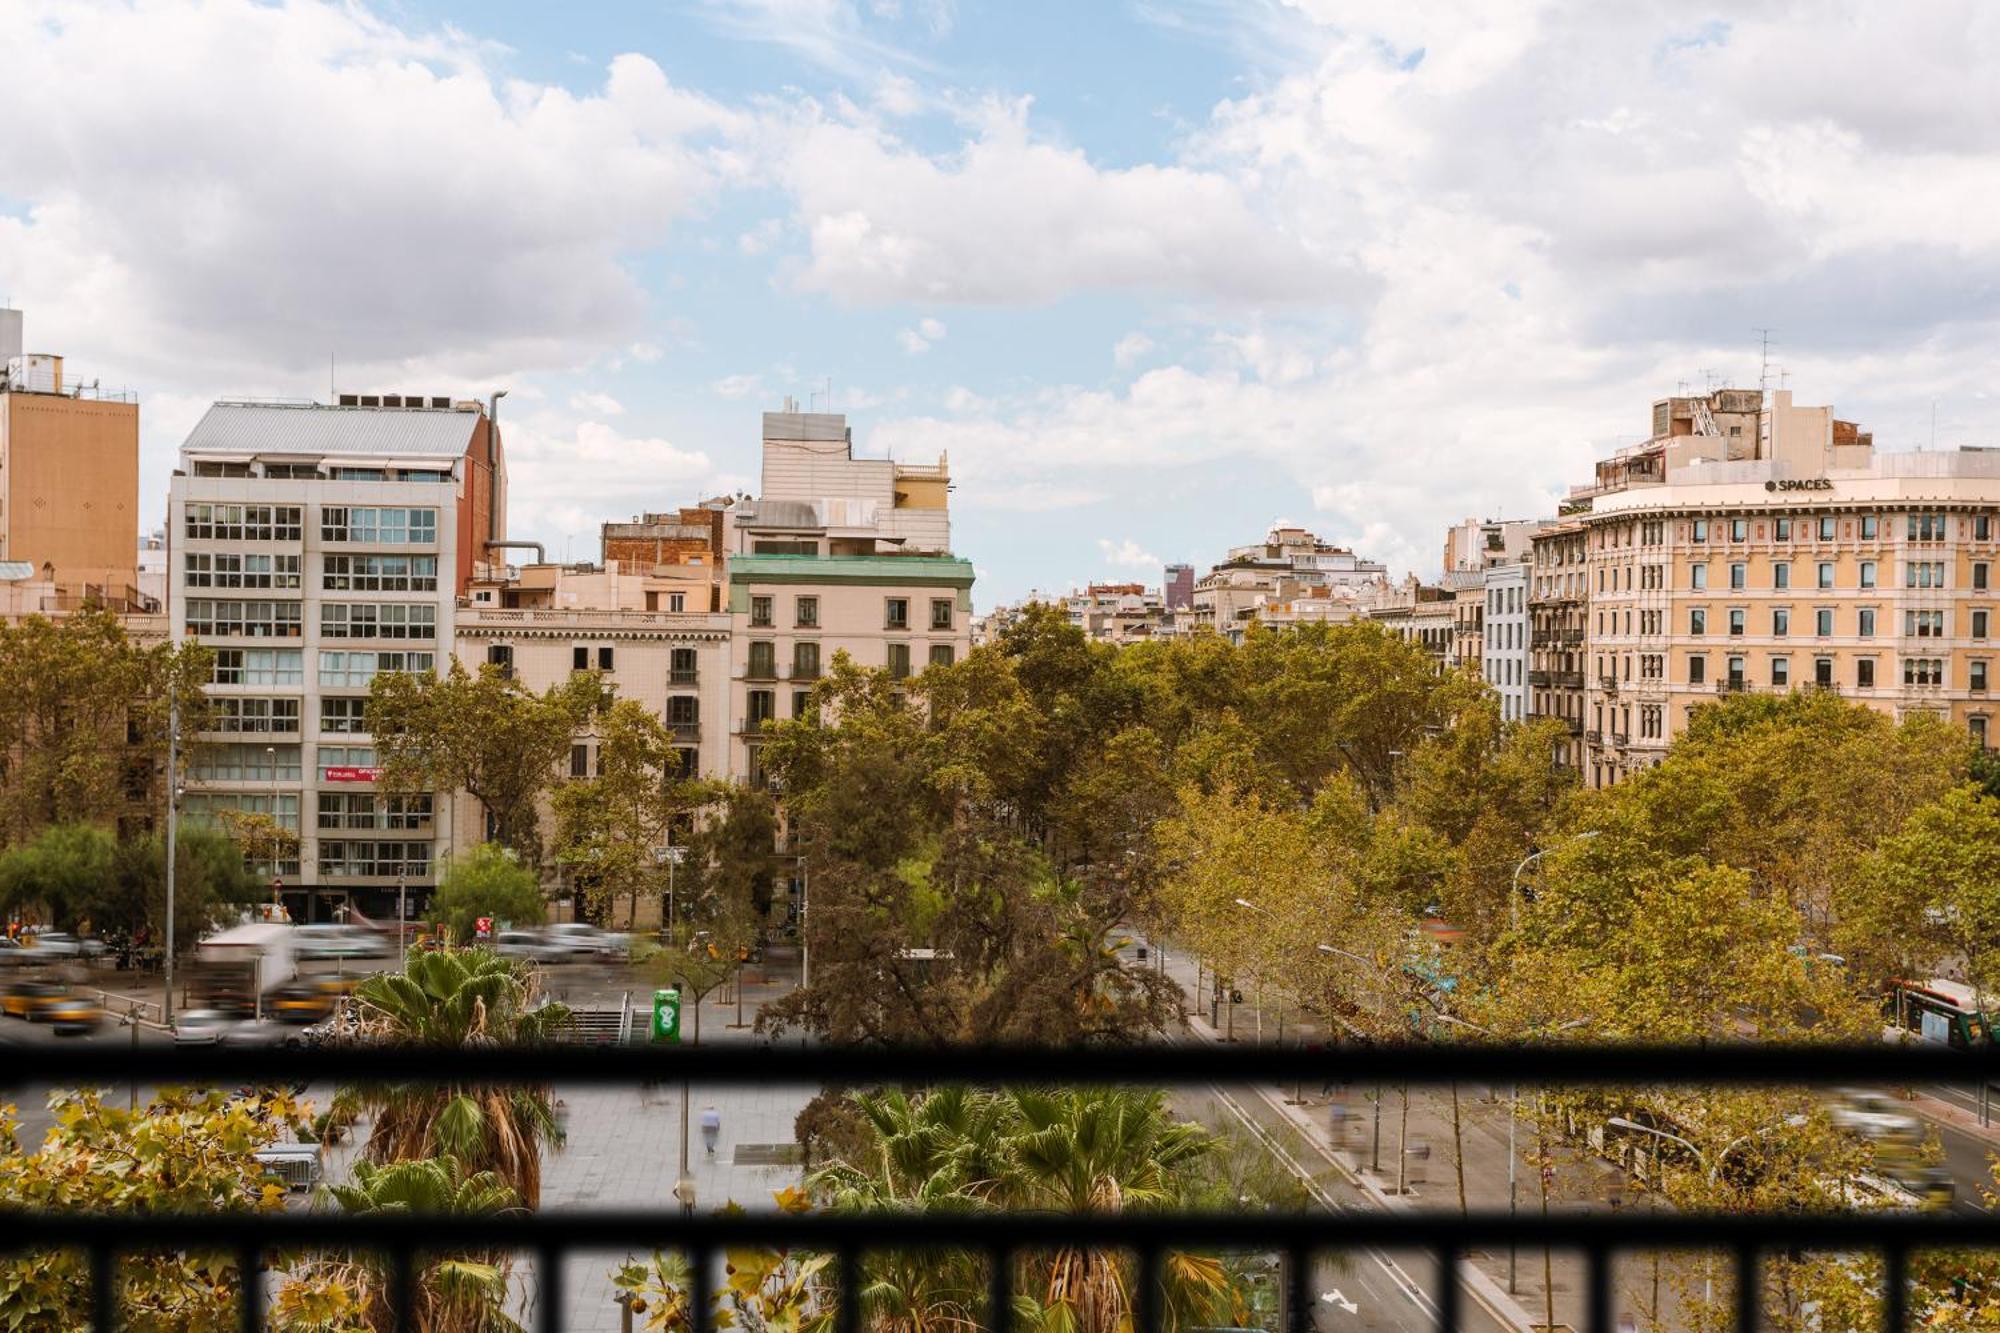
point(1933, 424)
point(829, 393)
point(1764, 359)
point(1707, 380)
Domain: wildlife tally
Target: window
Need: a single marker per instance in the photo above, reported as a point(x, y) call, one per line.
point(1979, 624)
point(1701, 530)
point(1697, 577)
point(344, 715)
point(1739, 575)
point(234, 714)
point(1736, 622)
point(245, 761)
point(1781, 574)
point(677, 602)
point(1781, 671)
point(1825, 570)
point(681, 669)
point(760, 611)
point(342, 859)
point(1979, 575)
point(381, 527)
point(1739, 529)
point(683, 710)
point(763, 660)
point(579, 761)
point(1924, 624)
point(1923, 671)
point(1977, 679)
point(941, 610)
point(806, 612)
point(244, 523)
point(757, 777)
point(605, 657)
point(1782, 529)
point(1867, 573)
point(896, 613)
point(899, 660)
point(1982, 527)
point(1864, 673)
point(379, 573)
point(1977, 727)
point(762, 707)
point(1864, 622)
point(941, 654)
point(1735, 677)
point(1698, 620)
point(259, 666)
point(250, 620)
point(687, 762)
point(805, 661)
point(241, 571)
point(1868, 527)
point(579, 658)
point(346, 756)
point(1652, 666)
point(1925, 528)
point(1923, 574)
point(377, 620)
point(500, 656)
point(1823, 622)
point(1781, 621)
point(801, 705)
point(366, 810)
point(1697, 670)
point(1823, 672)
point(1826, 527)
point(355, 670)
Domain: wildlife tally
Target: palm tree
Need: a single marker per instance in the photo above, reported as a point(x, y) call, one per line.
point(453, 998)
point(459, 1293)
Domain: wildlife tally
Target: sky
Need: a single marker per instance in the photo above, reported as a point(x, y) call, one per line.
point(1154, 273)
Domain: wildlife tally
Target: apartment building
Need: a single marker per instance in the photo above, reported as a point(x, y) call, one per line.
point(681, 555)
point(1418, 613)
point(1290, 566)
point(1467, 589)
point(1177, 587)
point(1558, 611)
point(312, 547)
point(1504, 648)
point(1118, 612)
point(69, 480)
point(1759, 545)
point(1480, 543)
point(839, 554)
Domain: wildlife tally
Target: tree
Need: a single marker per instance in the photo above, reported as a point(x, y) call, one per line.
point(185, 1151)
point(1931, 892)
point(66, 872)
point(483, 734)
point(460, 997)
point(610, 826)
point(84, 719)
point(488, 880)
point(80, 873)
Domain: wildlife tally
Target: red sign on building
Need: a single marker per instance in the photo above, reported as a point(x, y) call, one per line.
point(348, 773)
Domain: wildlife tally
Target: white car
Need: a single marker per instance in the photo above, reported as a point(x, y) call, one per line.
point(62, 944)
point(336, 941)
point(203, 1027)
point(582, 937)
point(530, 947)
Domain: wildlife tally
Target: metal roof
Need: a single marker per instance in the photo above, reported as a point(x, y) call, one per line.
point(311, 430)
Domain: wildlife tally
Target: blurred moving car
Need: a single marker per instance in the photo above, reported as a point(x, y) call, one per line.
point(202, 1027)
point(53, 944)
point(13, 951)
point(307, 1000)
point(27, 999)
point(73, 1015)
point(338, 941)
point(1872, 1114)
point(531, 946)
point(580, 937)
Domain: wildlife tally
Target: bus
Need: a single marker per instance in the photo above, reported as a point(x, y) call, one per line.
point(1939, 1010)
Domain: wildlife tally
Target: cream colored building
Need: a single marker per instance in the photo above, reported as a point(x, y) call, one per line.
point(1773, 550)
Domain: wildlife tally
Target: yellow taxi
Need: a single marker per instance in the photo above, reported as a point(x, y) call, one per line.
point(26, 999)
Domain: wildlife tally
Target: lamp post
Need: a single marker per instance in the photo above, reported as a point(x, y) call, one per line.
point(403, 918)
point(1514, 894)
point(173, 807)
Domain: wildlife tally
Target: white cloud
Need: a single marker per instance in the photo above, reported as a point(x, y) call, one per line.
point(565, 478)
point(1130, 350)
point(737, 386)
point(596, 404)
point(918, 340)
point(1127, 554)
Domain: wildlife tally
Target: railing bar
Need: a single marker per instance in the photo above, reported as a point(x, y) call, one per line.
point(1298, 1282)
point(1447, 1290)
point(1895, 1288)
point(250, 1307)
point(549, 1260)
point(1746, 1289)
point(1146, 1294)
point(103, 1301)
point(850, 1289)
point(402, 1291)
point(700, 1257)
point(1599, 1259)
point(999, 1288)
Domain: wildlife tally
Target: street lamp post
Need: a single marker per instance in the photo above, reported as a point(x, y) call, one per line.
point(1514, 894)
point(173, 807)
point(403, 918)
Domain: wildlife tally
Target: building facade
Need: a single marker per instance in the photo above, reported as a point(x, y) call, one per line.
point(311, 548)
point(1504, 648)
point(1177, 587)
point(1558, 611)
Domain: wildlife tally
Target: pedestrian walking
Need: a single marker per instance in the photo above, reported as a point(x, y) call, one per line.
point(711, 1128)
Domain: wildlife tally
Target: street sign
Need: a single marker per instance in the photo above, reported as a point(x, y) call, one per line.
point(667, 1016)
point(483, 928)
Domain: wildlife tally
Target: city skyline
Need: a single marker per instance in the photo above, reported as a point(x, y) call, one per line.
point(1186, 271)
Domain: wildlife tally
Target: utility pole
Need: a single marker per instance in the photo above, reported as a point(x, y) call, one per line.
point(403, 918)
point(173, 804)
point(805, 908)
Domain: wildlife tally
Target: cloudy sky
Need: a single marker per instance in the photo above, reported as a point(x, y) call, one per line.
point(1154, 272)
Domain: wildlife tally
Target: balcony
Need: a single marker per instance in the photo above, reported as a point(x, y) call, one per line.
point(1608, 684)
point(1541, 679)
point(1593, 738)
point(1569, 680)
point(684, 676)
point(761, 671)
point(685, 733)
point(1732, 685)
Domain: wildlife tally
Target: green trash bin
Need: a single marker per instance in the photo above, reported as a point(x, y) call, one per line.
point(667, 1015)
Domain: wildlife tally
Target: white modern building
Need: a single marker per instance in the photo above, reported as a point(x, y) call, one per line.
point(312, 547)
point(1504, 659)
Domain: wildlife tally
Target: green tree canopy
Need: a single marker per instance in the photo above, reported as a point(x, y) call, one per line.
point(488, 880)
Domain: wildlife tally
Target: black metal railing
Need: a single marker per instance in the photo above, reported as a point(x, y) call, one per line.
point(1295, 1236)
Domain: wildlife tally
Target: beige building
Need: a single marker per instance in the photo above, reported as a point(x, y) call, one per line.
point(69, 478)
point(838, 555)
point(1292, 569)
point(1558, 610)
point(1770, 548)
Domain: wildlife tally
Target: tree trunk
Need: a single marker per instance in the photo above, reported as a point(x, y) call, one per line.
point(1458, 1148)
